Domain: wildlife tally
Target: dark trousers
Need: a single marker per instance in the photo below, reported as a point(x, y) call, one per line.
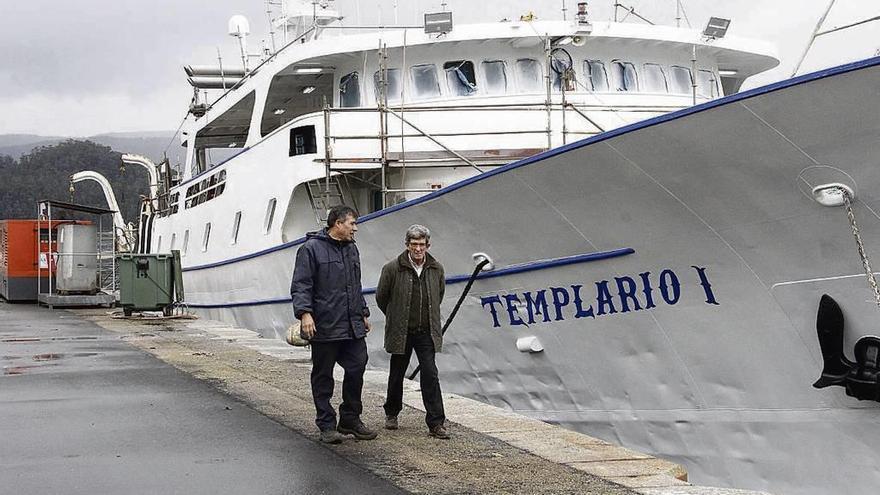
point(429, 379)
point(352, 356)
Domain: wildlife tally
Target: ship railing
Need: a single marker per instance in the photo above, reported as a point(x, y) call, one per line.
point(256, 69)
point(437, 149)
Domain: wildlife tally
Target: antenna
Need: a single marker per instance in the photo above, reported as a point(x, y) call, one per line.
point(677, 13)
point(271, 24)
point(240, 28)
point(220, 63)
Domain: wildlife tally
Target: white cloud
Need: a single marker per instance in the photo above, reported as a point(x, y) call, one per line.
point(87, 115)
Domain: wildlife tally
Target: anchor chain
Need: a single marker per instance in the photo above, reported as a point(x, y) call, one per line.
point(847, 201)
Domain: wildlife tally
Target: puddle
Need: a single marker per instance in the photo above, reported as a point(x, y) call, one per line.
point(19, 340)
point(16, 370)
point(20, 370)
point(216, 460)
point(49, 356)
point(52, 356)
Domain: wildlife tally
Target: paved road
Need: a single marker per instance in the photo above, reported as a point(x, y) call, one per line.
point(82, 412)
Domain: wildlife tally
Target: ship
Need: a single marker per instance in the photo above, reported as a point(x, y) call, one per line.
point(660, 241)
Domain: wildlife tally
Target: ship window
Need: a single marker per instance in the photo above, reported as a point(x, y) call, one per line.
point(597, 78)
point(349, 91)
point(302, 141)
point(529, 75)
point(655, 79)
point(394, 88)
point(206, 237)
point(495, 73)
point(235, 226)
point(211, 191)
point(290, 96)
point(221, 183)
point(461, 77)
point(171, 205)
point(623, 76)
point(270, 215)
point(224, 137)
point(706, 84)
point(185, 241)
point(425, 84)
point(173, 241)
point(680, 81)
point(206, 189)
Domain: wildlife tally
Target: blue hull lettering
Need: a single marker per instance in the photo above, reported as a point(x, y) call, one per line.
point(620, 295)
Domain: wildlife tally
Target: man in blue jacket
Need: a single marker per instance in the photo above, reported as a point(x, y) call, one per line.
point(327, 299)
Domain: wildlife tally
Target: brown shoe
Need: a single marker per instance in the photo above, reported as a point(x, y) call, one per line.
point(391, 422)
point(360, 431)
point(439, 431)
point(331, 436)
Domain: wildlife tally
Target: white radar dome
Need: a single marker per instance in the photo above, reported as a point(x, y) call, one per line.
point(239, 26)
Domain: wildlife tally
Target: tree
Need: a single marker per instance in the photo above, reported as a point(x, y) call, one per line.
point(45, 172)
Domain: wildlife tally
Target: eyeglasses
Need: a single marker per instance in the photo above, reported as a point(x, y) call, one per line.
point(418, 245)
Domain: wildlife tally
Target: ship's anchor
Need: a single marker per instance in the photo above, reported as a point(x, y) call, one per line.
point(862, 377)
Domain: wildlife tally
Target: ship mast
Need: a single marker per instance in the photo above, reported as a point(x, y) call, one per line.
point(817, 33)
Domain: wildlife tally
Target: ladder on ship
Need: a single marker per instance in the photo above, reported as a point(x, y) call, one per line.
point(323, 194)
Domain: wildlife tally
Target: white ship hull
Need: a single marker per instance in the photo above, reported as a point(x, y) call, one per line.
point(691, 334)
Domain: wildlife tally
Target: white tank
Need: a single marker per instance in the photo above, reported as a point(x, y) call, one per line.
point(77, 270)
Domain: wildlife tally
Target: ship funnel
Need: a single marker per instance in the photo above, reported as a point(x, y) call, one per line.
point(481, 258)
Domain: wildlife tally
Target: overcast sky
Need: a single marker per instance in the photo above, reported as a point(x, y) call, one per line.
point(84, 67)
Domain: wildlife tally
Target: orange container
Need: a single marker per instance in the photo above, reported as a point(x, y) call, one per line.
point(20, 264)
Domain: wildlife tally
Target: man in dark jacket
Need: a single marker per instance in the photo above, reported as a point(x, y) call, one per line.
point(410, 291)
point(327, 299)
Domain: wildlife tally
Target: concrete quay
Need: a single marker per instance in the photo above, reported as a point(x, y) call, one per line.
point(83, 412)
point(492, 451)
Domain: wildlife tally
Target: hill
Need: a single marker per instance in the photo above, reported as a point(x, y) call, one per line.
point(44, 172)
point(24, 139)
point(150, 143)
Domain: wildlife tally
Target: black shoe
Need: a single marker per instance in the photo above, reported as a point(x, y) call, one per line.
point(331, 436)
point(439, 431)
point(360, 431)
point(391, 422)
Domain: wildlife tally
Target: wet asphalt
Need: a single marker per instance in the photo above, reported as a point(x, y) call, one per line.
point(83, 412)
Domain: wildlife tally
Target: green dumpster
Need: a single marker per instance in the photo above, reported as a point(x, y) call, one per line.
point(146, 282)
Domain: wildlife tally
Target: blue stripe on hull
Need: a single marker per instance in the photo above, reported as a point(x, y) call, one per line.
point(508, 270)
